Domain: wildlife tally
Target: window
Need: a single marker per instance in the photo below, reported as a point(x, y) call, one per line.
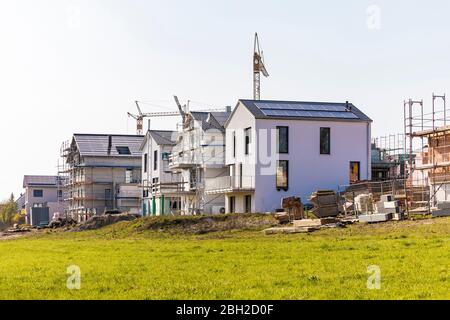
point(60, 193)
point(283, 139)
point(247, 140)
point(248, 203)
point(155, 160)
point(282, 175)
point(145, 162)
point(354, 171)
point(129, 176)
point(123, 150)
point(234, 144)
point(324, 140)
point(38, 193)
point(232, 202)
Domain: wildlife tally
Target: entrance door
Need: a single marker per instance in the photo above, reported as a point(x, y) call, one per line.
point(354, 171)
point(232, 204)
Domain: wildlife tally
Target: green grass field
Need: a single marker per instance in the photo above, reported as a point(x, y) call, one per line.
point(120, 262)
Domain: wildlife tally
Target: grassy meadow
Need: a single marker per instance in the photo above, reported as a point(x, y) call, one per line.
point(128, 261)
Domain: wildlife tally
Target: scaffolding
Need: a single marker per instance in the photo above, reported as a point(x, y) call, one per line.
point(388, 157)
point(425, 134)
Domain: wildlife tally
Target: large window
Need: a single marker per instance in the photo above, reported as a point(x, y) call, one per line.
point(145, 162)
point(354, 171)
point(155, 160)
point(324, 140)
point(247, 140)
point(38, 193)
point(282, 175)
point(283, 139)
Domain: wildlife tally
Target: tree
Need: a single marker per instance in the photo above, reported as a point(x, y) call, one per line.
point(8, 210)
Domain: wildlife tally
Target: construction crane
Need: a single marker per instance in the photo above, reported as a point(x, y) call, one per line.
point(181, 112)
point(258, 68)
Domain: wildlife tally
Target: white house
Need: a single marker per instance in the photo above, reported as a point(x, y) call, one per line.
point(276, 149)
point(162, 187)
point(199, 154)
point(43, 196)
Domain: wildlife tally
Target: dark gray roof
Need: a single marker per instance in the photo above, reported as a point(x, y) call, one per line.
point(303, 110)
point(30, 180)
point(96, 145)
point(164, 137)
point(211, 120)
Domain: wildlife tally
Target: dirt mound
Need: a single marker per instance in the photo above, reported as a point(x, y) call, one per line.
point(97, 222)
point(205, 224)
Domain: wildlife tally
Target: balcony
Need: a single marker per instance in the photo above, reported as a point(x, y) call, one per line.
point(229, 184)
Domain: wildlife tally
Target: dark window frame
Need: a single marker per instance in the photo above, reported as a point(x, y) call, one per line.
point(359, 170)
point(279, 187)
point(248, 203)
point(123, 150)
point(234, 144)
point(232, 204)
point(247, 140)
point(287, 140)
point(38, 193)
point(145, 162)
point(155, 160)
point(323, 149)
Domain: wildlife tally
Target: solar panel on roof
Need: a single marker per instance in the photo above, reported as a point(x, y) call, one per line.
point(309, 114)
point(306, 110)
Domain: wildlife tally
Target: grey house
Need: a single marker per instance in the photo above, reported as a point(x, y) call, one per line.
point(101, 173)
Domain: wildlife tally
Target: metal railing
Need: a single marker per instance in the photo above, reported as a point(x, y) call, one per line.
point(230, 183)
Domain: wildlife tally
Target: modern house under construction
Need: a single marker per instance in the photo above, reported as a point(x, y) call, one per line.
point(177, 163)
point(101, 172)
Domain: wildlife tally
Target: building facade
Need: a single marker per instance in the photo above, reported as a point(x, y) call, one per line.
point(42, 198)
point(101, 173)
point(276, 149)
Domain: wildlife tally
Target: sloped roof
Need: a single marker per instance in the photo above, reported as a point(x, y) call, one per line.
point(304, 110)
point(164, 137)
point(97, 145)
point(31, 180)
point(211, 120)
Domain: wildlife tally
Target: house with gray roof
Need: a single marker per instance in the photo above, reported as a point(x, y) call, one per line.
point(276, 149)
point(41, 199)
point(102, 173)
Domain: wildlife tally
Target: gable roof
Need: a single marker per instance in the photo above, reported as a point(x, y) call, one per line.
point(161, 137)
point(36, 180)
point(303, 110)
point(211, 120)
point(97, 145)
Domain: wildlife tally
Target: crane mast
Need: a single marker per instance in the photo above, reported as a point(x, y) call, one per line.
point(258, 68)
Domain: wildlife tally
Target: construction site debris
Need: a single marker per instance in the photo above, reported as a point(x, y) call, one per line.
point(364, 204)
point(293, 207)
point(315, 222)
point(61, 222)
point(376, 217)
point(325, 203)
point(289, 230)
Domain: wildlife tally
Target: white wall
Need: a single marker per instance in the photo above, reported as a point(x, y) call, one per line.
point(308, 169)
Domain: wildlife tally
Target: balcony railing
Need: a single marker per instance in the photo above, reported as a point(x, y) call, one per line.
point(230, 183)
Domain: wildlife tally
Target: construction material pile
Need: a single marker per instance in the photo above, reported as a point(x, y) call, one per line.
point(325, 203)
point(386, 209)
point(293, 210)
point(442, 209)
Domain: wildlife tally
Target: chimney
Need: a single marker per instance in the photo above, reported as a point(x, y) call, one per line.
point(109, 144)
point(228, 108)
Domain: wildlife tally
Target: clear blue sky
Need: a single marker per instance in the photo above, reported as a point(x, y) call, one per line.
point(77, 66)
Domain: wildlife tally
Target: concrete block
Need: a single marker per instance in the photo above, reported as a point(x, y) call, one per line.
point(391, 204)
point(397, 216)
point(441, 213)
point(387, 198)
point(377, 217)
point(443, 205)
